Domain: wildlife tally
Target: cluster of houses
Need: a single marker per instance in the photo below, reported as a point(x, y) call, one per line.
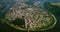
point(34, 17)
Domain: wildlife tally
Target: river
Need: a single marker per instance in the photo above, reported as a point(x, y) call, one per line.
point(41, 5)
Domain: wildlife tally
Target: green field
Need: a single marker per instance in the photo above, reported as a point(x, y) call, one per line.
point(56, 4)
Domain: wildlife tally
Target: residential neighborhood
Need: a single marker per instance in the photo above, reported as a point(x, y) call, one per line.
point(34, 16)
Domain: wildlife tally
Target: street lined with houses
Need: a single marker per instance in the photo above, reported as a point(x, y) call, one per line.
point(34, 16)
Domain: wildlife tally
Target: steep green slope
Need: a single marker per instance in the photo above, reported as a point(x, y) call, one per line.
point(53, 8)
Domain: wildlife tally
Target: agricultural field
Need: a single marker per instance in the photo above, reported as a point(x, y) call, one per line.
point(56, 4)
